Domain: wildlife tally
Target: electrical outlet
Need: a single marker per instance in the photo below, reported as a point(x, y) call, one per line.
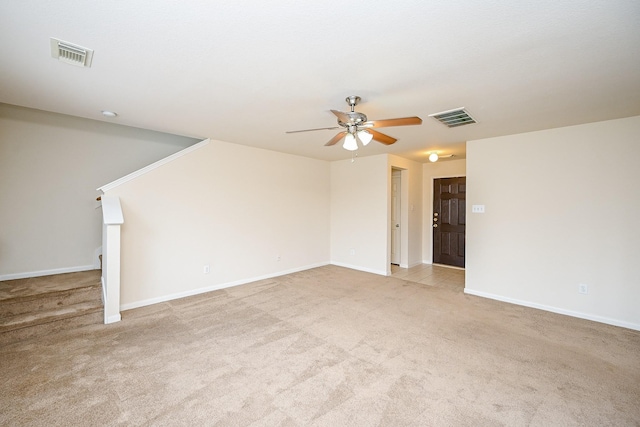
point(583, 289)
point(206, 269)
point(352, 252)
point(278, 258)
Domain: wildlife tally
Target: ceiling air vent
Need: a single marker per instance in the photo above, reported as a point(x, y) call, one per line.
point(454, 118)
point(71, 53)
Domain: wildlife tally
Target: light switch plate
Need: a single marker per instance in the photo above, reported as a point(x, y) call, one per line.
point(477, 208)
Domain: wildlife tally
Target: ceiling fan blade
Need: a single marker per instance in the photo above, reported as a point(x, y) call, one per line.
point(381, 137)
point(343, 117)
point(336, 138)
point(310, 130)
point(403, 121)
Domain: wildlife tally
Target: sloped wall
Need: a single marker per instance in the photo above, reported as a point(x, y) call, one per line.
point(50, 167)
point(247, 213)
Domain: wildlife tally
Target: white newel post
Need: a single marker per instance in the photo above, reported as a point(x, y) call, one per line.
point(112, 220)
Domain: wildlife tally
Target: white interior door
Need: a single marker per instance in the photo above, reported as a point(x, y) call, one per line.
point(395, 218)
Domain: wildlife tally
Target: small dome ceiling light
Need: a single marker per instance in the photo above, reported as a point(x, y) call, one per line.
point(433, 157)
point(109, 114)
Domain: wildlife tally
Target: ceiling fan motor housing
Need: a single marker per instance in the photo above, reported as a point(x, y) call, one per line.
point(355, 119)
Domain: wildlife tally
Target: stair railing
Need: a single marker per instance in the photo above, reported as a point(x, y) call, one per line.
point(112, 220)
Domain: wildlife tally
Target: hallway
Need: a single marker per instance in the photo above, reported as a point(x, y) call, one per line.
point(432, 275)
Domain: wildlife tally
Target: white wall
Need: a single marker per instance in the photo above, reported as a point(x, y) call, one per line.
point(561, 210)
point(431, 171)
point(361, 212)
point(234, 208)
point(50, 167)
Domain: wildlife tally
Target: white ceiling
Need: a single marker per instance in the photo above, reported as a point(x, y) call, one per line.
point(247, 71)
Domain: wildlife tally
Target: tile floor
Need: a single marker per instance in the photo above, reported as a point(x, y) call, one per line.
point(432, 275)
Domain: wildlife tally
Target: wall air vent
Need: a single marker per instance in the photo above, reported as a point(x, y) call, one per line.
point(71, 53)
point(454, 118)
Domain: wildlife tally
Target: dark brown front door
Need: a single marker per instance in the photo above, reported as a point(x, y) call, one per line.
point(449, 220)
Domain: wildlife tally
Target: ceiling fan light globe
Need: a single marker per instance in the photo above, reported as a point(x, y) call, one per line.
point(365, 137)
point(433, 157)
point(350, 143)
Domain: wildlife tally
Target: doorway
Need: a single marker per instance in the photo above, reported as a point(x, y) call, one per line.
point(396, 180)
point(449, 221)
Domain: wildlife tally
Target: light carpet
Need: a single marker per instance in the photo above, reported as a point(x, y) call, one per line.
point(328, 347)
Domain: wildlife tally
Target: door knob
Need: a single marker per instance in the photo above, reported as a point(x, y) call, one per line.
point(435, 225)
point(397, 225)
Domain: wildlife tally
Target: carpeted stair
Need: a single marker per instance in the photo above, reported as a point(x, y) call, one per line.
point(42, 305)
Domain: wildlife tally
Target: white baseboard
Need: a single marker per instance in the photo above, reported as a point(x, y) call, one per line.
point(40, 273)
point(104, 291)
point(415, 264)
point(359, 268)
point(112, 319)
point(453, 267)
point(580, 315)
point(178, 295)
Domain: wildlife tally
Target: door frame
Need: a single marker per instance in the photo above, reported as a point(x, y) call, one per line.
point(433, 229)
point(429, 221)
point(396, 176)
point(404, 216)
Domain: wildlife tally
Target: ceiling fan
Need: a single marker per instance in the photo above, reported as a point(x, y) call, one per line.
point(358, 129)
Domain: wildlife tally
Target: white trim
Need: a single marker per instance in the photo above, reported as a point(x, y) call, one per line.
point(453, 267)
point(414, 264)
point(51, 272)
point(580, 315)
point(212, 288)
point(113, 319)
point(357, 267)
point(111, 210)
point(430, 209)
point(153, 166)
